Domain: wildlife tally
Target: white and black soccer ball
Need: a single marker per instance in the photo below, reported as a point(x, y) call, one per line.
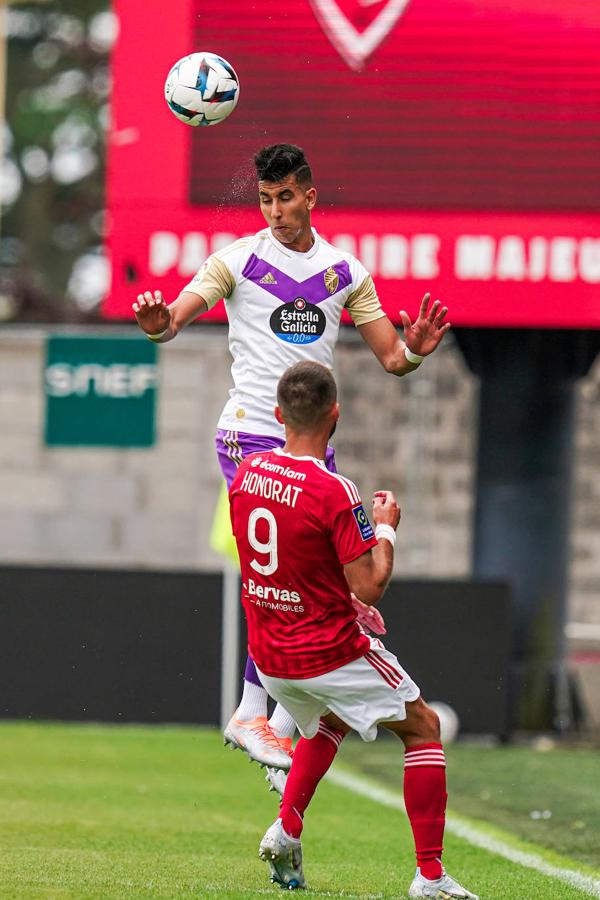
point(202, 89)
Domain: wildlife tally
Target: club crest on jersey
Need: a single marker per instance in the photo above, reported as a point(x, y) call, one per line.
point(298, 322)
point(362, 522)
point(332, 280)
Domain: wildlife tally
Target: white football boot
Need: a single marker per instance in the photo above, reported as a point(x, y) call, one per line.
point(257, 740)
point(276, 780)
point(284, 856)
point(444, 888)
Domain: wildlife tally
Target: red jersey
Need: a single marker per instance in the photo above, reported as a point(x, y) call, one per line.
point(296, 525)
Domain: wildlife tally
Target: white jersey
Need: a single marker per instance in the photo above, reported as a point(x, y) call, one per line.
point(283, 306)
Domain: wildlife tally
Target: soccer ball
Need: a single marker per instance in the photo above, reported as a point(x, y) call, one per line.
point(202, 89)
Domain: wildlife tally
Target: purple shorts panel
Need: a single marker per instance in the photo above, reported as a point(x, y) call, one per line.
point(233, 446)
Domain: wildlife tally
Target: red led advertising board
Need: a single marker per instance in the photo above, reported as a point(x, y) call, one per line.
point(455, 147)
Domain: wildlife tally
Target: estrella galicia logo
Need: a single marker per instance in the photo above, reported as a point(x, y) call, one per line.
point(298, 322)
point(362, 521)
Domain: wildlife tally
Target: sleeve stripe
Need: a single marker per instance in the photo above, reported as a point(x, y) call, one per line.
point(349, 487)
point(353, 488)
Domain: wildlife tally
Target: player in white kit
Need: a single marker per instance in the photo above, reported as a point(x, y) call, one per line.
point(285, 289)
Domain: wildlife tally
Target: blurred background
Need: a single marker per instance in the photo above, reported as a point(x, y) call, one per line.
point(54, 147)
point(456, 149)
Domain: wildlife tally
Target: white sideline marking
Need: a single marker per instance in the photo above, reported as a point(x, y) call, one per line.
point(470, 833)
point(268, 892)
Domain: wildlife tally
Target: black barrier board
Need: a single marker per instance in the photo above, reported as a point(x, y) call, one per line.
point(125, 646)
point(99, 645)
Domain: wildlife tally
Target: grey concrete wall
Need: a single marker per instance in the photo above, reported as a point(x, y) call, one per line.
point(153, 508)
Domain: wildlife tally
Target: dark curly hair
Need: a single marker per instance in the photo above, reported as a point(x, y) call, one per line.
point(276, 162)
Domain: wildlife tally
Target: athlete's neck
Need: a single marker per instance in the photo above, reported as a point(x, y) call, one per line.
point(306, 444)
point(301, 244)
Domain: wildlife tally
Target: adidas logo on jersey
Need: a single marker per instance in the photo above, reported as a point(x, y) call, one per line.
point(269, 278)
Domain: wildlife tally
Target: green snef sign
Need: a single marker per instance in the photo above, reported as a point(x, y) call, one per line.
point(100, 391)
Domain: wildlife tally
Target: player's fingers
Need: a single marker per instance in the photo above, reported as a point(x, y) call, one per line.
point(158, 297)
point(135, 308)
point(383, 498)
point(149, 298)
point(377, 621)
point(406, 323)
point(424, 305)
point(441, 316)
point(434, 310)
point(445, 328)
point(141, 300)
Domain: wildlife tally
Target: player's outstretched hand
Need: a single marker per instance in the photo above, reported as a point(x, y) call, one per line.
point(385, 509)
point(152, 312)
point(424, 335)
point(368, 616)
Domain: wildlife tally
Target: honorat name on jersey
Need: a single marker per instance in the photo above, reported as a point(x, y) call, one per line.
point(268, 597)
point(270, 488)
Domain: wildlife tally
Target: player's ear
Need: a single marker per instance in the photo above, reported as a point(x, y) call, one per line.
point(278, 416)
point(311, 197)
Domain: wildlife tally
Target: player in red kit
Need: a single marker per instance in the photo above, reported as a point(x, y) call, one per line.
point(305, 542)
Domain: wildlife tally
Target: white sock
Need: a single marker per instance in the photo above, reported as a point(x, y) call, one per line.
point(281, 723)
point(253, 703)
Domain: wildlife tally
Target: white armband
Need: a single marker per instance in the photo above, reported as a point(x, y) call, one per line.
point(156, 337)
point(413, 358)
point(387, 532)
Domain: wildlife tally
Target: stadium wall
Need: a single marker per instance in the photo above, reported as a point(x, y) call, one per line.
point(153, 508)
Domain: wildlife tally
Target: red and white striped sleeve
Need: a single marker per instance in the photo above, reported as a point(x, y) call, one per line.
point(350, 528)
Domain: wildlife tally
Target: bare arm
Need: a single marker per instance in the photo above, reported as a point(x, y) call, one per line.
point(156, 318)
point(162, 323)
point(422, 337)
point(368, 576)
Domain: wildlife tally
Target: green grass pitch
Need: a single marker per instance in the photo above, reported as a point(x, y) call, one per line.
point(109, 812)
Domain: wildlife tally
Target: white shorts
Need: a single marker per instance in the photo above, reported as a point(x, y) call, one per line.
point(363, 693)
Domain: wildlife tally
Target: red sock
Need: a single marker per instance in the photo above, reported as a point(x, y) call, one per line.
point(311, 760)
point(425, 798)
